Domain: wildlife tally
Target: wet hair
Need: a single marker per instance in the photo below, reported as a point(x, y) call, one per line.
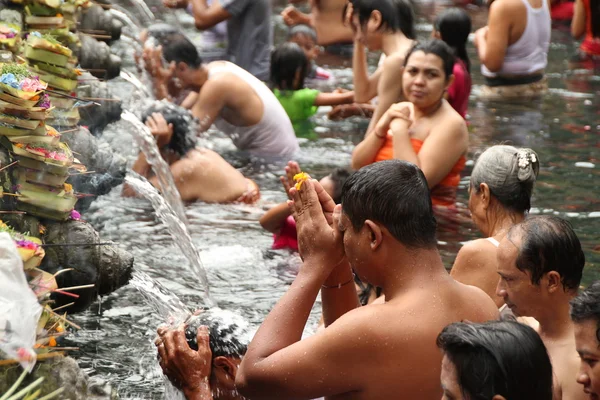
point(338, 177)
point(184, 138)
point(454, 26)
point(586, 306)
point(510, 173)
point(395, 194)
point(302, 30)
point(227, 332)
point(177, 47)
point(548, 243)
point(437, 47)
point(396, 15)
point(503, 358)
point(161, 31)
point(286, 61)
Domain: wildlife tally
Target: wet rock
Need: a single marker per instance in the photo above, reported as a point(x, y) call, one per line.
point(106, 266)
point(97, 57)
point(57, 373)
point(95, 18)
point(110, 168)
point(95, 117)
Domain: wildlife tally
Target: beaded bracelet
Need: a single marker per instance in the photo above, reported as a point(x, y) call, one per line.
point(339, 285)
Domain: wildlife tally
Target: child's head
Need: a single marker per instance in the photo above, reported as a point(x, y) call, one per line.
point(334, 182)
point(305, 37)
point(289, 67)
point(453, 26)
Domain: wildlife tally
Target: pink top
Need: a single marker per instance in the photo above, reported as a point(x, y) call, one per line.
point(287, 238)
point(459, 91)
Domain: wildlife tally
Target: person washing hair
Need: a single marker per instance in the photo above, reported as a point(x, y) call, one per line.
point(453, 26)
point(289, 67)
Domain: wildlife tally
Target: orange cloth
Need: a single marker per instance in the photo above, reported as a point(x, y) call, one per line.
point(252, 193)
point(444, 193)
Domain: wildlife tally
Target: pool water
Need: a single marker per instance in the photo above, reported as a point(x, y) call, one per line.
point(247, 277)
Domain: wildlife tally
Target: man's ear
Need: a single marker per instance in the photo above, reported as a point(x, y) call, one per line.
point(225, 369)
point(375, 233)
point(554, 281)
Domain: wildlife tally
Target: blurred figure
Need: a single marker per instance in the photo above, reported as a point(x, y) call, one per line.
point(499, 360)
point(586, 21)
point(585, 313)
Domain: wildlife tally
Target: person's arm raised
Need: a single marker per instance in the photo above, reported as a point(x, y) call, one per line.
point(274, 219)
point(493, 40)
point(365, 86)
point(389, 89)
point(211, 100)
point(278, 364)
point(206, 16)
point(578, 21)
point(445, 144)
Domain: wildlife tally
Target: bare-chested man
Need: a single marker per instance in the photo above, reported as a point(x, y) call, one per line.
point(540, 263)
point(237, 103)
point(384, 230)
point(325, 17)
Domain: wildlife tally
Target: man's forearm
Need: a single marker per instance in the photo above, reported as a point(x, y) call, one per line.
point(202, 392)
point(338, 296)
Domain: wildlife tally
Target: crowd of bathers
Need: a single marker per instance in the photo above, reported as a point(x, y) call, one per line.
point(509, 321)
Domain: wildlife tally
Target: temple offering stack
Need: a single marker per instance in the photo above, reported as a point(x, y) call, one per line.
point(42, 161)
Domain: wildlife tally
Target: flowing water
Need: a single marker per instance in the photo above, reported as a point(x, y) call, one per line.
point(247, 277)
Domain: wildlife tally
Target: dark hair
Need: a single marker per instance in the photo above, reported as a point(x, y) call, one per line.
point(595, 17)
point(454, 26)
point(302, 30)
point(338, 177)
point(586, 306)
point(224, 333)
point(437, 47)
point(177, 47)
point(395, 194)
point(286, 61)
point(396, 15)
point(184, 137)
point(161, 31)
point(510, 174)
point(503, 358)
point(548, 243)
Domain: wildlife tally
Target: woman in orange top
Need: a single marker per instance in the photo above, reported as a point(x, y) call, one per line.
point(424, 130)
point(586, 20)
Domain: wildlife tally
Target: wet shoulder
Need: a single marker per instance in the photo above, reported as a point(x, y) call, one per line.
point(474, 304)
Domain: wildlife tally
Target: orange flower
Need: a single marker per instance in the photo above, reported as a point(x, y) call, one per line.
point(52, 342)
point(300, 178)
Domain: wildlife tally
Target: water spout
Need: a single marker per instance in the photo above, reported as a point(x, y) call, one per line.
point(160, 167)
point(121, 14)
point(176, 227)
point(131, 78)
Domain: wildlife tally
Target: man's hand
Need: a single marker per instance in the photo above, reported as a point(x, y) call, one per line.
point(159, 128)
point(318, 240)
point(187, 369)
point(153, 61)
point(292, 16)
point(287, 181)
point(396, 111)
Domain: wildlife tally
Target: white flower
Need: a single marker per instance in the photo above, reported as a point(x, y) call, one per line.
point(532, 157)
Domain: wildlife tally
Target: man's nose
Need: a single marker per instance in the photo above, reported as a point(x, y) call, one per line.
point(583, 378)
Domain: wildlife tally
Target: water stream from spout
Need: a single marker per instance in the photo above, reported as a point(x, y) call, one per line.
point(176, 227)
point(161, 169)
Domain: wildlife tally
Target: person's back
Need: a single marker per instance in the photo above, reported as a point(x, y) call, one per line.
point(265, 132)
point(327, 19)
point(250, 35)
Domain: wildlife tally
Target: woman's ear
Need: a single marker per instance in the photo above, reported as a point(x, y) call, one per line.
point(375, 21)
point(375, 233)
point(484, 192)
point(224, 370)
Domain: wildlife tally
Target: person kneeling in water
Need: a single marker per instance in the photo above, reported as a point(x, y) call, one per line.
point(199, 173)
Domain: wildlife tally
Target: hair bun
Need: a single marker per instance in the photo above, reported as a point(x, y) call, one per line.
point(528, 165)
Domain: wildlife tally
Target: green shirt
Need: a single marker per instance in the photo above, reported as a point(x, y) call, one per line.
point(298, 104)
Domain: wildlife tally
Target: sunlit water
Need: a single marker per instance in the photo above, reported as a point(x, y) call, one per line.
point(247, 277)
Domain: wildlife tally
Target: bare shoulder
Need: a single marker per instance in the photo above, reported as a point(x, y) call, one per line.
point(478, 248)
point(481, 305)
point(502, 7)
point(393, 63)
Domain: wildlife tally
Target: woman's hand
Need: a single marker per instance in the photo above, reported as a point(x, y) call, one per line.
point(399, 111)
point(292, 16)
point(348, 16)
point(320, 242)
point(287, 181)
point(187, 369)
point(159, 128)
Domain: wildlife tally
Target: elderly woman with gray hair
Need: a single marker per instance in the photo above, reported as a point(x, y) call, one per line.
point(499, 197)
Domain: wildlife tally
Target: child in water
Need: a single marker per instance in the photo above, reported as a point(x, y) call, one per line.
point(306, 37)
point(289, 68)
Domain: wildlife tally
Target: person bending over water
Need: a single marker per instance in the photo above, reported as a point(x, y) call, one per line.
point(586, 21)
point(500, 360)
point(198, 173)
point(386, 25)
point(500, 191)
point(236, 102)
point(385, 231)
point(513, 48)
point(425, 130)
point(289, 67)
point(202, 357)
point(324, 17)
point(453, 26)
point(540, 263)
point(306, 37)
point(585, 313)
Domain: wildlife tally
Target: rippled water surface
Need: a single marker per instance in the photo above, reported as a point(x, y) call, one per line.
point(247, 277)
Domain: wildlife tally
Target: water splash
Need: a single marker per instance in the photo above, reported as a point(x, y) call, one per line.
point(131, 78)
point(160, 167)
point(176, 227)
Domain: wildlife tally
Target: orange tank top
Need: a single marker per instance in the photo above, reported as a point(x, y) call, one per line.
point(444, 193)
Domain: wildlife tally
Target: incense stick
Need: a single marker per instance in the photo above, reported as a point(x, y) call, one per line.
point(74, 325)
point(40, 357)
point(68, 96)
point(83, 173)
point(13, 212)
point(9, 165)
point(9, 194)
point(78, 287)
point(70, 130)
point(75, 244)
point(63, 306)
